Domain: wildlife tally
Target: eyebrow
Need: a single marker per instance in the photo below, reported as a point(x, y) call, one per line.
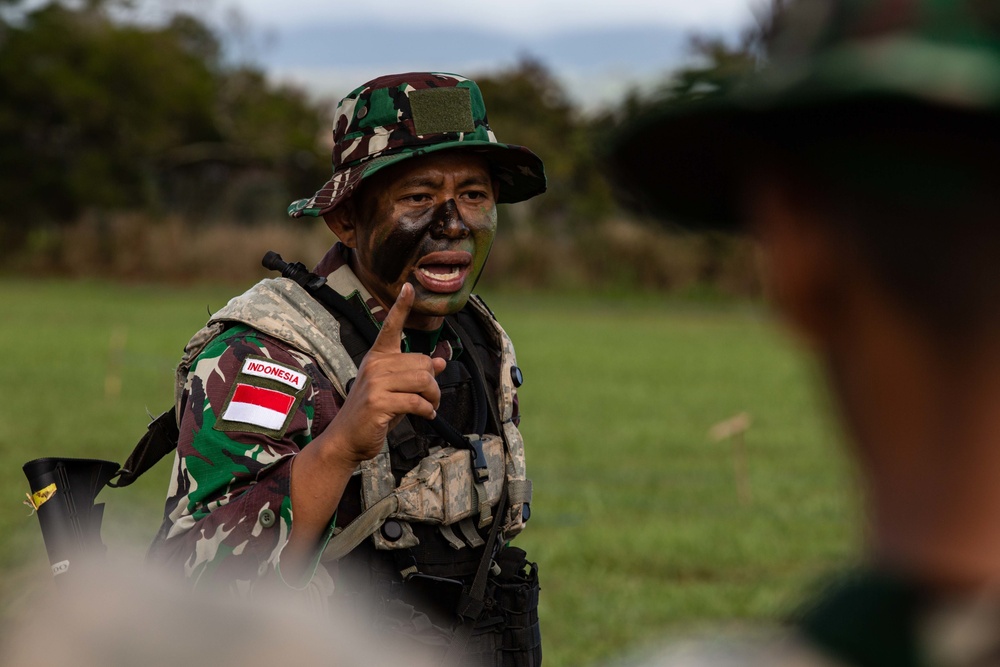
point(476, 180)
point(421, 181)
point(432, 182)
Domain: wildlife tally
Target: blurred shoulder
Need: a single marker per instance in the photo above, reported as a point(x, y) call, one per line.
point(786, 650)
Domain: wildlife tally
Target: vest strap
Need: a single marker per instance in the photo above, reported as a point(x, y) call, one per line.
point(519, 491)
point(469, 533)
point(159, 440)
point(364, 525)
point(448, 533)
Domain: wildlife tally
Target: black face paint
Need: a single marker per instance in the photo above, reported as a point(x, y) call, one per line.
point(448, 213)
point(394, 252)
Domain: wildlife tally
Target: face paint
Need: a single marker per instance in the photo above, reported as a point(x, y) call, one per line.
point(431, 224)
point(395, 250)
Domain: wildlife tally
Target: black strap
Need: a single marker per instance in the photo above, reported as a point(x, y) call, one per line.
point(159, 440)
point(479, 379)
point(471, 602)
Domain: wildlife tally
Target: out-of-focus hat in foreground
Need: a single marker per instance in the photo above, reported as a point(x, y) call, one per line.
point(832, 65)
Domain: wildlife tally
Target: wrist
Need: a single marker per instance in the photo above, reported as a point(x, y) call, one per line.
point(335, 452)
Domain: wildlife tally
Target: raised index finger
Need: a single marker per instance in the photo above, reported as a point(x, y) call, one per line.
point(392, 328)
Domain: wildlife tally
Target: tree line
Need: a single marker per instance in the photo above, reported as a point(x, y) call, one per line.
point(100, 115)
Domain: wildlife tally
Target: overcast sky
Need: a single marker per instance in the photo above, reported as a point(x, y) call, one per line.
point(515, 16)
point(598, 49)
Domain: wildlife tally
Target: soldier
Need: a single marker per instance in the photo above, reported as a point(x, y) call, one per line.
point(361, 441)
point(864, 159)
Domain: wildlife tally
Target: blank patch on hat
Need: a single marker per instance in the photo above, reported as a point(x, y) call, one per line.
point(440, 110)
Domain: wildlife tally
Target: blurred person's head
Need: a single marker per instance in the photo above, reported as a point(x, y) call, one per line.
point(123, 617)
point(417, 175)
point(863, 158)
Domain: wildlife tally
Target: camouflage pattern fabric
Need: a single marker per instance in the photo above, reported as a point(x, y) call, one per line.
point(401, 116)
point(228, 512)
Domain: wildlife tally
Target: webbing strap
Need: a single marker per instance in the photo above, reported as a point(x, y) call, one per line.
point(448, 533)
point(484, 505)
point(470, 604)
point(364, 525)
point(159, 440)
point(520, 491)
point(469, 533)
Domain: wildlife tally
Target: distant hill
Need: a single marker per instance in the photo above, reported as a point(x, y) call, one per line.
point(596, 65)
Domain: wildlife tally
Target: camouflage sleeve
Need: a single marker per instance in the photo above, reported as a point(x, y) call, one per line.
point(250, 404)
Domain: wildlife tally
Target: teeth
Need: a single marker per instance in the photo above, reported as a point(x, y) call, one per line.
point(451, 275)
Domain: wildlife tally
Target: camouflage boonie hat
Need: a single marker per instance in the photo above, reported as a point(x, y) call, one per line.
point(833, 63)
point(401, 116)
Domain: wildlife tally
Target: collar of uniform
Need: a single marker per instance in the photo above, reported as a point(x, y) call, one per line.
point(336, 267)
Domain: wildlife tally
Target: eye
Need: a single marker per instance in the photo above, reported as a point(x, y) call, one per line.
point(475, 195)
point(416, 197)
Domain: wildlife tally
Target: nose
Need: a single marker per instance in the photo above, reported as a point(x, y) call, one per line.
point(448, 222)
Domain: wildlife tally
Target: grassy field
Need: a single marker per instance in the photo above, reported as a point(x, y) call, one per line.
point(637, 524)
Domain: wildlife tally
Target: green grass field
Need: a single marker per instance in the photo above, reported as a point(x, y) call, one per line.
point(637, 524)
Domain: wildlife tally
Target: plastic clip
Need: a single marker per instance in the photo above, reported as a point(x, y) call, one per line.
point(479, 466)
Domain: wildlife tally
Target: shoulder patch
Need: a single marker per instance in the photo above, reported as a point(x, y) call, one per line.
point(265, 368)
point(264, 398)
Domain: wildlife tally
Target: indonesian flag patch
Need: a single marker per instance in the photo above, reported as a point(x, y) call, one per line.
point(263, 399)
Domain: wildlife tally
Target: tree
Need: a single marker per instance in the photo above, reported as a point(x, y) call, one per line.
point(93, 114)
point(527, 106)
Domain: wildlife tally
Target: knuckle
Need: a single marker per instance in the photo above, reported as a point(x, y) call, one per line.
point(415, 403)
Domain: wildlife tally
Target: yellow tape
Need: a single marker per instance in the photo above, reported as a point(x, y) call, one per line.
point(41, 496)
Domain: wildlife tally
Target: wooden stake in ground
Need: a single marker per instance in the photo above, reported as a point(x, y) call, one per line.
point(732, 429)
point(116, 362)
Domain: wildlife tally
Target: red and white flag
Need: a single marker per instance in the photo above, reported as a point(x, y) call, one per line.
point(266, 408)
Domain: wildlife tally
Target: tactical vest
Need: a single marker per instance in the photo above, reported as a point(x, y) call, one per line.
point(401, 505)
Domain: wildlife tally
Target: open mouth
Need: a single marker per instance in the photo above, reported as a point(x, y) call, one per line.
point(443, 272)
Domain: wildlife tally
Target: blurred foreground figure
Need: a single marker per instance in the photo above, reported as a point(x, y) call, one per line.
point(145, 619)
point(865, 159)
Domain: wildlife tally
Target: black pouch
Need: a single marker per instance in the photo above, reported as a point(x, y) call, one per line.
point(507, 633)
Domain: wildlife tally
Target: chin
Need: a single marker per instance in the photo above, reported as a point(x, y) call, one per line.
point(439, 305)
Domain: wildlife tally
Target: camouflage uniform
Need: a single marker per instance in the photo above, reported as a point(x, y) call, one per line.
point(228, 512)
point(841, 77)
point(270, 372)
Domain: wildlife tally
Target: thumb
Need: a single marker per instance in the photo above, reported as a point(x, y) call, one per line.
point(392, 328)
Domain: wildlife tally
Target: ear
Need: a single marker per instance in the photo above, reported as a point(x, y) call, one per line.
point(342, 223)
point(804, 261)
